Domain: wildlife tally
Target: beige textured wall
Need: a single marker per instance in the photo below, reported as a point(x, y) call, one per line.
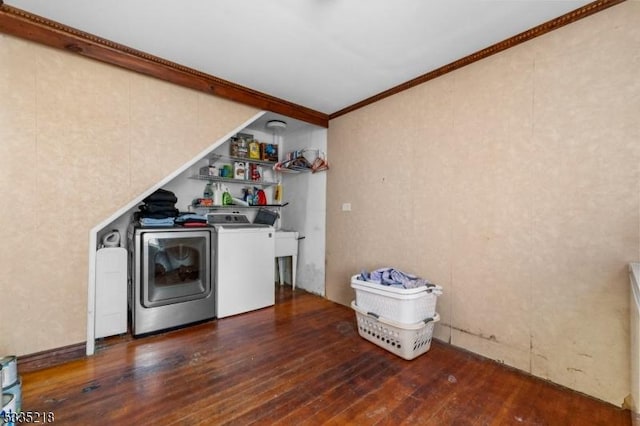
point(515, 184)
point(78, 140)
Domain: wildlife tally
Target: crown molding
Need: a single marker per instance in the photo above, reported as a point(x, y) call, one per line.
point(22, 24)
point(19, 23)
point(537, 31)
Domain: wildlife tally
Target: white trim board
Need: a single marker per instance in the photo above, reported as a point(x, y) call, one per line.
point(93, 233)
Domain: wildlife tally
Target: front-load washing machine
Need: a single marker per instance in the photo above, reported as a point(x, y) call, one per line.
point(171, 277)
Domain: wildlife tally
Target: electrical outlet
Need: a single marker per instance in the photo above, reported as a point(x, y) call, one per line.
point(346, 207)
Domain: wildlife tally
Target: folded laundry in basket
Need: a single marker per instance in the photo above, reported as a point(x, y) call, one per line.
point(395, 278)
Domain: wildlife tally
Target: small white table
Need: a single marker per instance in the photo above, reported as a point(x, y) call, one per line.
point(287, 245)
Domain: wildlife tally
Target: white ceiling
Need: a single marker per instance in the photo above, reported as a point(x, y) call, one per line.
point(322, 54)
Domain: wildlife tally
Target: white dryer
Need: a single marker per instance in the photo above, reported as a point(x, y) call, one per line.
point(245, 266)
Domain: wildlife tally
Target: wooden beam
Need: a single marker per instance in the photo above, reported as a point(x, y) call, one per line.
point(19, 23)
point(541, 29)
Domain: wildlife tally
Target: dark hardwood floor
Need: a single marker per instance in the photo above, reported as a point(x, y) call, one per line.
point(298, 363)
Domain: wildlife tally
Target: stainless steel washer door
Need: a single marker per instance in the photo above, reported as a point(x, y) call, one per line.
point(176, 267)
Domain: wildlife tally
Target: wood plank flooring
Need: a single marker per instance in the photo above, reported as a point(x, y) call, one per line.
point(298, 363)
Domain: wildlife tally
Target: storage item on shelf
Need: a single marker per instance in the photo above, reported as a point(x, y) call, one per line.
point(248, 196)
point(268, 151)
point(208, 191)
point(255, 172)
point(254, 196)
point(239, 146)
point(217, 195)
point(254, 149)
point(227, 199)
point(239, 169)
point(261, 197)
point(210, 170)
point(202, 202)
point(404, 340)
point(397, 304)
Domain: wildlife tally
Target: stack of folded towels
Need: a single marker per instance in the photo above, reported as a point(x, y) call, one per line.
point(159, 209)
point(191, 220)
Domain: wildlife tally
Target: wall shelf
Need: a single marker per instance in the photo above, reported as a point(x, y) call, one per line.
point(219, 157)
point(210, 178)
point(237, 206)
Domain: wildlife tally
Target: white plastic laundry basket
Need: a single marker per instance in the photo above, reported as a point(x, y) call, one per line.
point(404, 305)
point(404, 340)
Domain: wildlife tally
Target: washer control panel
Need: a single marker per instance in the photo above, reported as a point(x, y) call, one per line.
point(227, 219)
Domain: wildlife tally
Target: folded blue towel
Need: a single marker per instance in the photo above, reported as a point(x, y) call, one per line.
point(185, 217)
point(149, 221)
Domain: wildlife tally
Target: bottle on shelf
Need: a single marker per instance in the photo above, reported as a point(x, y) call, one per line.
point(248, 196)
point(208, 191)
point(254, 150)
point(227, 199)
point(217, 195)
point(239, 170)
